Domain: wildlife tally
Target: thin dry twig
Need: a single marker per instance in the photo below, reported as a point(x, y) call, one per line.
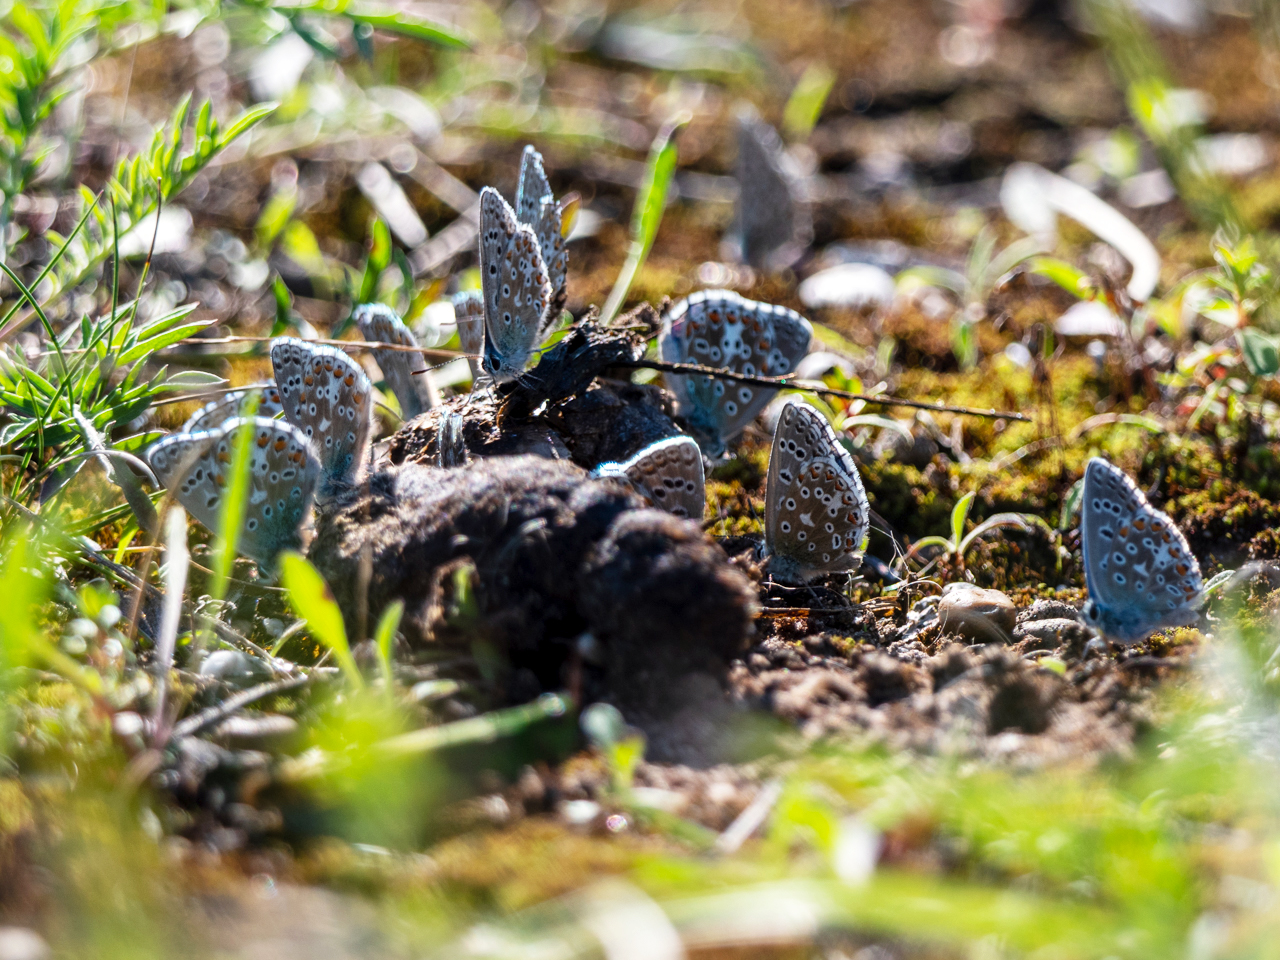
point(219, 712)
point(341, 344)
point(814, 386)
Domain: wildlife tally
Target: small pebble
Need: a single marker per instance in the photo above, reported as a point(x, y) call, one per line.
point(981, 615)
point(848, 285)
point(579, 812)
point(235, 668)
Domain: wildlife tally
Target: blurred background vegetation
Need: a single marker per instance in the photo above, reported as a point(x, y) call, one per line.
point(173, 175)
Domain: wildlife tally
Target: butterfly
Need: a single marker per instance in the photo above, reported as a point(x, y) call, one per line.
point(537, 206)
point(1138, 566)
point(283, 472)
point(718, 328)
point(772, 228)
point(232, 404)
point(816, 512)
point(329, 398)
point(513, 281)
point(406, 373)
point(667, 473)
point(468, 312)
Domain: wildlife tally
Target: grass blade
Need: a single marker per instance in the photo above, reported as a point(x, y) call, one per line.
point(415, 28)
point(175, 585)
point(805, 104)
point(312, 600)
point(651, 200)
point(233, 506)
point(385, 635)
point(959, 514)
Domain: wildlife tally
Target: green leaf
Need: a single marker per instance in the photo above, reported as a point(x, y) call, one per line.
point(1070, 278)
point(163, 322)
point(301, 246)
point(651, 200)
point(231, 518)
point(284, 304)
point(875, 420)
point(980, 254)
point(416, 28)
point(964, 341)
point(318, 40)
point(1008, 258)
point(1261, 352)
point(379, 257)
point(837, 343)
point(312, 600)
point(190, 379)
point(959, 513)
point(154, 344)
point(804, 106)
point(1071, 504)
point(275, 214)
point(250, 118)
point(385, 635)
point(931, 276)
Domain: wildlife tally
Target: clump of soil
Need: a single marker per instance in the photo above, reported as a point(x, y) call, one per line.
point(545, 569)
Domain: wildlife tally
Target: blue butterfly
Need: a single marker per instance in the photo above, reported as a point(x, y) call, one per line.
point(515, 287)
point(283, 472)
point(1141, 574)
point(718, 328)
point(668, 473)
point(328, 397)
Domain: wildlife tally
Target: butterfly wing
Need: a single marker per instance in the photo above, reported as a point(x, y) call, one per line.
point(816, 510)
point(216, 412)
point(718, 328)
point(537, 207)
point(328, 397)
point(668, 473)
point(468, 312)
point(406, 373)
point(283, 471)
point(517, 293)
point(1139, 568)
point(772, 227)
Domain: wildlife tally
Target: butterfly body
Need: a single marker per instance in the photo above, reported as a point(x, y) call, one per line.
point(283, 472)
point(667, 473)
point(816, 510)
point(537, 207)
point(1141, 574)
point(406, 373)
point(328, 397)
point(718, 328)
point(217, 412)
point(516, 290)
